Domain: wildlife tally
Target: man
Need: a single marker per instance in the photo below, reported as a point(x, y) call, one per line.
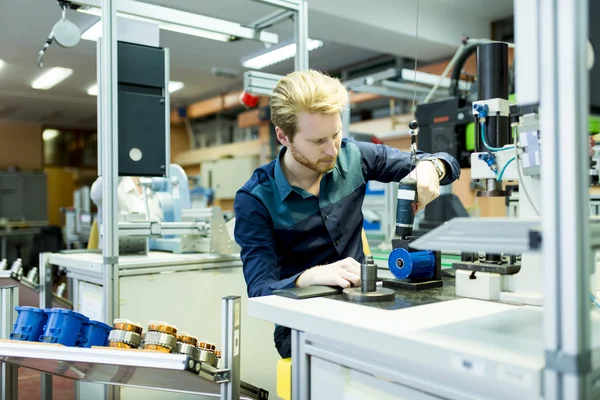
point(299, 218)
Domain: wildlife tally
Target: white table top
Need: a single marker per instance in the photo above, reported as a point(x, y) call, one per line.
point(94, 261)
point(503, 333)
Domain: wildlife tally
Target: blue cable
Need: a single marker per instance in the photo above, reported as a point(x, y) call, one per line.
point(489, 147)
point(594, 300)
point(499, 178)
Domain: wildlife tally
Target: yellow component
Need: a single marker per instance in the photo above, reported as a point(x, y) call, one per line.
point(93, 239)
point(284, 378)
point(365, 243)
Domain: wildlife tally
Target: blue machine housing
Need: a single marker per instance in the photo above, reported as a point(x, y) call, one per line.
point(404, 264)
point(63, 326)
point(29, 325)
point(93, 333)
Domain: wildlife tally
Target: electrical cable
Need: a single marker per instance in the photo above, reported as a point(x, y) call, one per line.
point(521, 180)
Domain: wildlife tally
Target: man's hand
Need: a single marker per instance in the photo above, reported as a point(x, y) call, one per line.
point(343, 273)
point(428, 183)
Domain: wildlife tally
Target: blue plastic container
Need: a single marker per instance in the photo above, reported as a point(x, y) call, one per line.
point(63, 326)
point(30, 324)
point(93, 333)
point(404, 264)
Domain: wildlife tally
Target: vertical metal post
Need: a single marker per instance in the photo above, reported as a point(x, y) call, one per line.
point(9, 374)
point(167, 98)
point(109, 118)
point(300, 368)
point(346, 120)
point(301, 36)
point(45, 302)
point(564, 106)
point(231, 336)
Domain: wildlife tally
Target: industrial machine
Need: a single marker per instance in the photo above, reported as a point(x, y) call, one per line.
point(78, 219)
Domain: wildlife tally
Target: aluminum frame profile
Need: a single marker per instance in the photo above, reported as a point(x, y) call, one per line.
point(183, 18)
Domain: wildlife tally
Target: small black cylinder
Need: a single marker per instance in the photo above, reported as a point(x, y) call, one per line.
point(493, 258)
point(405, 207)
point(368, 276)
point(492, 71)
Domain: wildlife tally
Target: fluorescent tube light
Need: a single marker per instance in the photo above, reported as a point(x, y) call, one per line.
point(279, 54)
point(1, 64)
point(49, 134)
point(173, 87)
point(426, 78)
point(51, 78)
point(95, 31)
point(93, 90)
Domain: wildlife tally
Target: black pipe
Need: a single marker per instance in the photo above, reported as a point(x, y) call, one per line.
point(460, 63)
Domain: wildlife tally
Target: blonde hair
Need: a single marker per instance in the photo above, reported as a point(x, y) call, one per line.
point(305, 92)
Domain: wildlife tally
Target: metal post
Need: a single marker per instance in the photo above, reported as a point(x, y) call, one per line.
point(9, 382)
point(301, 36)
point(45, 302)
point(109, 118)
point(346, 120)
point(564, 106)
point(231, 327)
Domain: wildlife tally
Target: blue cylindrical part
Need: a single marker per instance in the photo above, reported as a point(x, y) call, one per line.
point(63, 326)
point(29, 325)
point(404, 264)
point(406, 207)
point(93, 333)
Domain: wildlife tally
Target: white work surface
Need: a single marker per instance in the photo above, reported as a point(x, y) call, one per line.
point(485, 347)
point(92, 262)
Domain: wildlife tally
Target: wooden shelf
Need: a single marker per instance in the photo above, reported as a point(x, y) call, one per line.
point(197, 156)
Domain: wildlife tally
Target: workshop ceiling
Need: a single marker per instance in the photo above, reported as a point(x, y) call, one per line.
point(352, 30)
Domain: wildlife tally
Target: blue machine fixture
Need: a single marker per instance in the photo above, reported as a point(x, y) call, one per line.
point(404, 264)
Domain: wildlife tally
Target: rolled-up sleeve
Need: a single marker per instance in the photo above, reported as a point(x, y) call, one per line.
point(387, 164)
point(254, 234)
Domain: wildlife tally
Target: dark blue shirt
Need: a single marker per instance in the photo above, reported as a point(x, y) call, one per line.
point(283, 230)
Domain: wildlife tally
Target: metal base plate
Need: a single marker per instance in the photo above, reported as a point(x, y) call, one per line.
point(502, 269)
point(416, 286)
point(380, 294)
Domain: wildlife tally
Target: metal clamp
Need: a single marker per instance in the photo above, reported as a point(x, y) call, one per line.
point(580, 364)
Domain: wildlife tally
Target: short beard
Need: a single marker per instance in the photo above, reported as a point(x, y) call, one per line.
point(320, 166)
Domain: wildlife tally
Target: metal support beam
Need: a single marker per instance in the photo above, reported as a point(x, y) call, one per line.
point(271, 19)
point(184, 19)
point(301, 36)
point(292, 5)
point(9, 382)
point(564, 106)
point(109, 138)
point(231, 336)
point(45, 270)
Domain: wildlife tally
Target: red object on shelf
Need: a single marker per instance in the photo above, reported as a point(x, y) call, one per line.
point(376, 140)
point(249, 100)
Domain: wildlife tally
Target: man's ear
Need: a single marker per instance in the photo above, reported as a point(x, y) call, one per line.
point(282, 137)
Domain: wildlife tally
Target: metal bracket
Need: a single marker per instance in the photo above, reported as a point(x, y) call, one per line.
point(110, 260)
point(580, 364)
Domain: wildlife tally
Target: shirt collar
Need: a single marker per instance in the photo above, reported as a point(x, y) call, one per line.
point(283, 186)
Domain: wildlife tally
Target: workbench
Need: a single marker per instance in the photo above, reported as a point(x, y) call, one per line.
point(423, 346)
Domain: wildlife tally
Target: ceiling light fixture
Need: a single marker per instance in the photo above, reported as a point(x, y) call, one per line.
point(95, 31)
point(1, 64)
point(173, 87)
point(51, 78)
point(273, 56)
point(49, 134)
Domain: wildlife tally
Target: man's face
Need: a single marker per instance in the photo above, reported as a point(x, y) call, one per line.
point(317, 143)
